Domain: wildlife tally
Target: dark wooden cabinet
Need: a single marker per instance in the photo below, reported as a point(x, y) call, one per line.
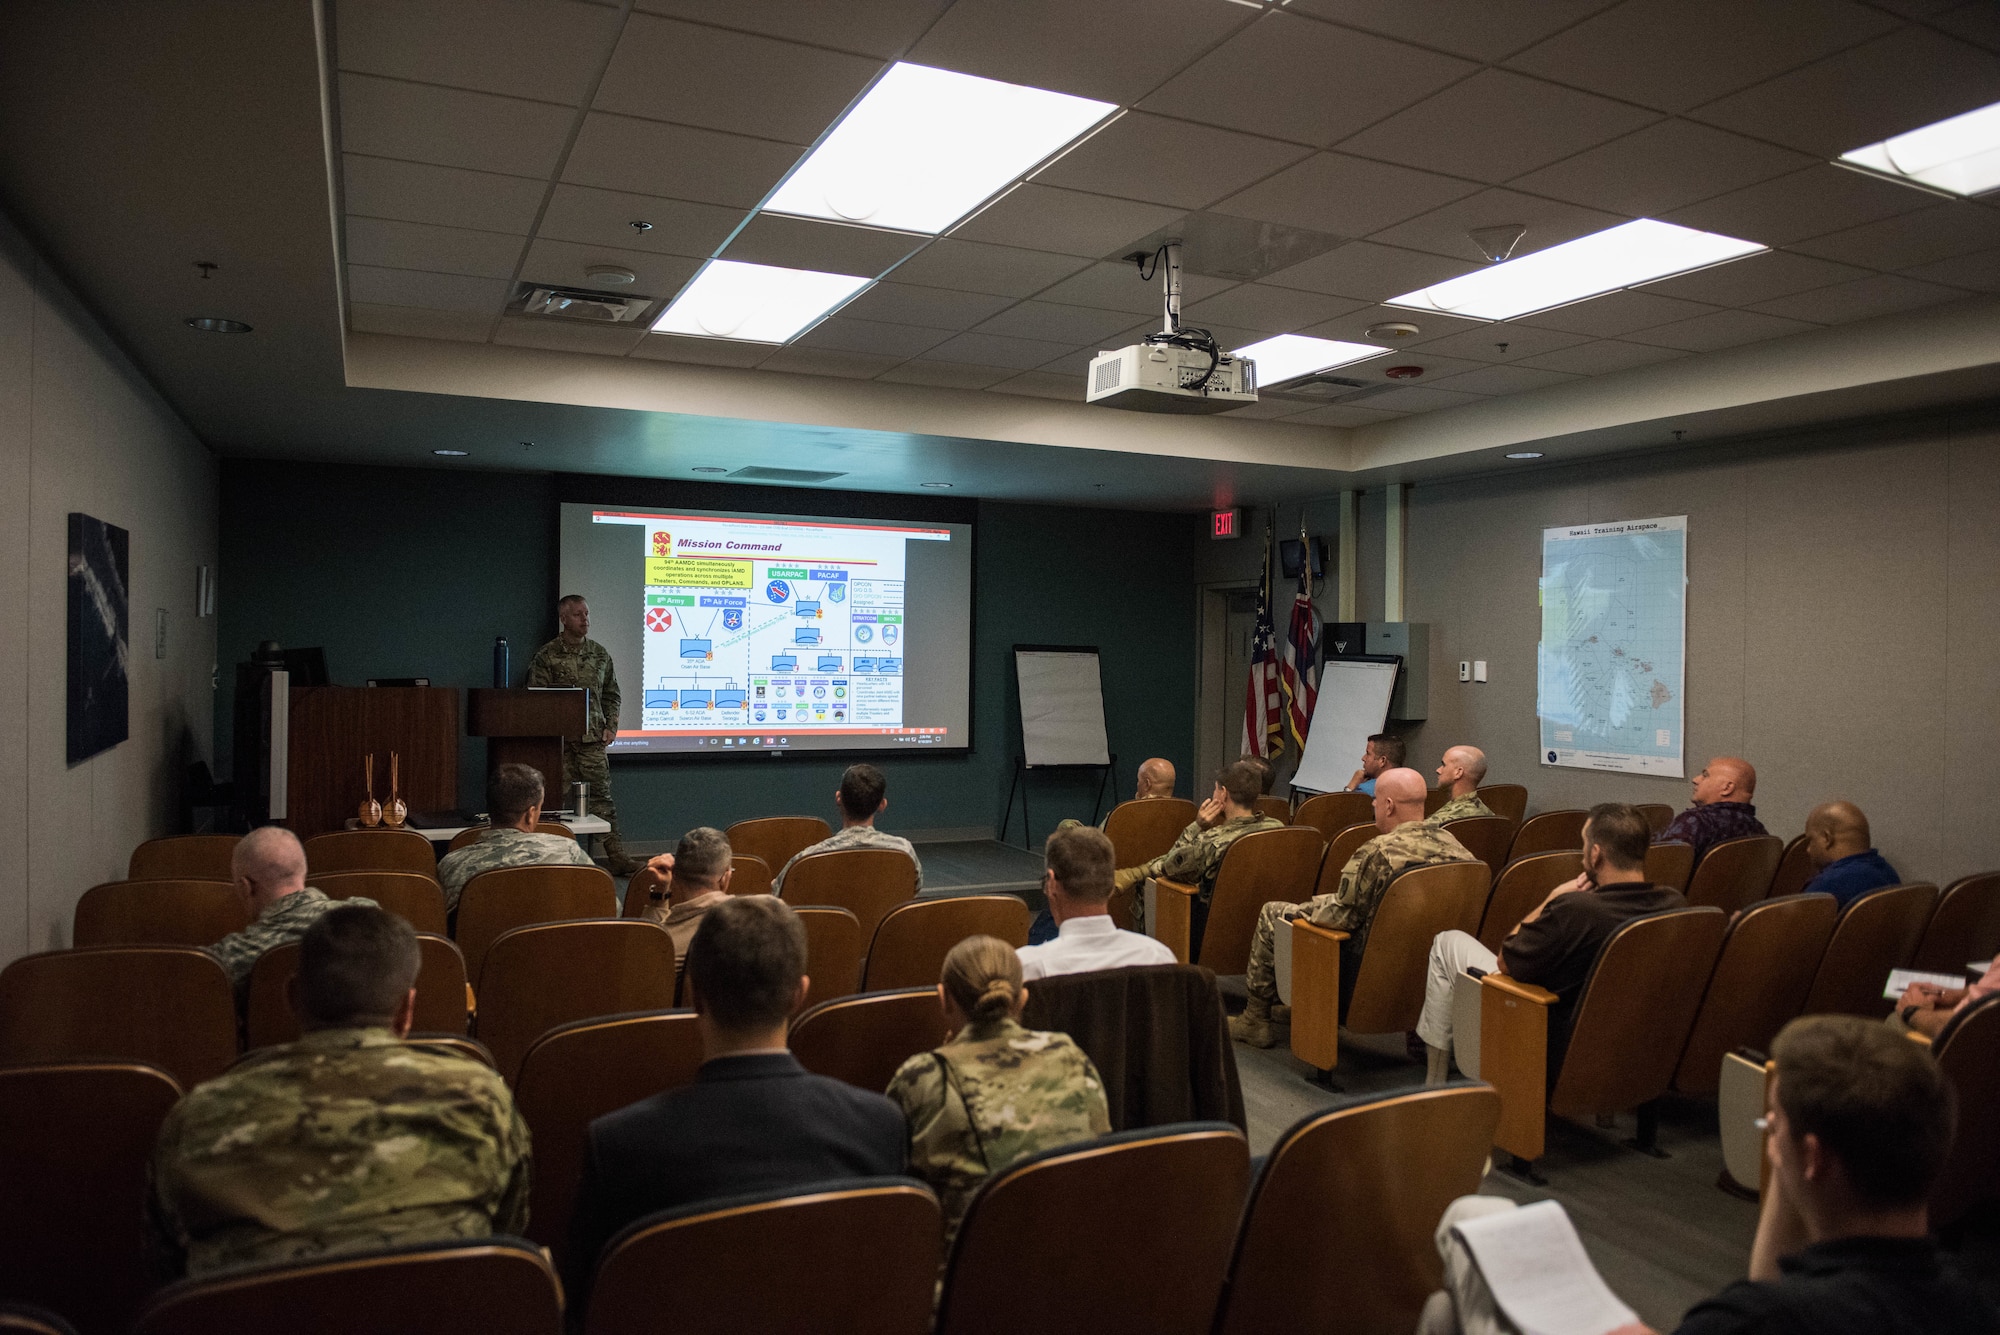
point(334, 727)
point(526, 726)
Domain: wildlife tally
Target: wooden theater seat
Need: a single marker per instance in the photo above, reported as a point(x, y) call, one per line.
point(500, 900)
point(1505, 799)
point(411, 895)
point(1795, 868)
point(1330, 813)
point(269, 1018)
point(547, 974)
point(370, 850)
point(1968, 1050)
point(1628, 1032)
point(866, 881)
point(750, 875)
point(1876, 933)
point(776, 839)
point(1488, 838)
point(473, 834)
point(1735, 873)
point(190, 857)
point(158, 913)
point(165, 1006)
point(1256, 869)
point(835, 949)
point(1670, 863)
point(1550, 832)
point(1768, 959)
point(1520, 888)
point(913, 939)
point(1658, 815)
point(1964, 927)
point(1141, 830)
point(862, 1039)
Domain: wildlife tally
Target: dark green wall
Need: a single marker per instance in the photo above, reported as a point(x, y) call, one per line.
point(412, 572)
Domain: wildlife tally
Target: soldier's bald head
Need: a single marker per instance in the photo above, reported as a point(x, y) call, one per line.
point(1156, 778)
point(1402, 786)
point(269, 856)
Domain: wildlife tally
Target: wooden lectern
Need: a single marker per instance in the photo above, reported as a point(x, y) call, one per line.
point(526, 726)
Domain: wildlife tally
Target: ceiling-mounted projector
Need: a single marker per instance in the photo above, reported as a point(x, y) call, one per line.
point(1178, 370)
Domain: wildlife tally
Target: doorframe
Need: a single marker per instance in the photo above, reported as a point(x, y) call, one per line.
point(1211, 653)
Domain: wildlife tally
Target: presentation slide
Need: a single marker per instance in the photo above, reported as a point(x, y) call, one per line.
point(734, 631)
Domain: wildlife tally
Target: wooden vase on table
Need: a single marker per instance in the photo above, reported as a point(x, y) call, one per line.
point(371, 810)
point(397, 809)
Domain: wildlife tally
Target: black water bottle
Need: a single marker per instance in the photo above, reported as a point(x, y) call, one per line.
point(500, 660)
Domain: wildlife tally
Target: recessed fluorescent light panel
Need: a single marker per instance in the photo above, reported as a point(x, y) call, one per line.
point(1960, 156)
point(925, 147)
point(1289, 356)
point(1618, 257)
point(755, 303)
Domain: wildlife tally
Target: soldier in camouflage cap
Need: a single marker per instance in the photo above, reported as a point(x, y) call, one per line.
point(348, 1140)
point(996, 1092)
point(1229, 813)
point(269, 868)
point(514, 809)
point(573, 659)
point(1406, 841)
point(1462, 770)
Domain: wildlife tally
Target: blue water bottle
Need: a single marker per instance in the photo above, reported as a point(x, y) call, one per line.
point(500, 660)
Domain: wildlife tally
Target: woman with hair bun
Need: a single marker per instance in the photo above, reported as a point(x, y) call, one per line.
point(996, 1092)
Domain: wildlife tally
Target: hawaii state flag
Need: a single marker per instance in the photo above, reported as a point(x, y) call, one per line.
point(1263, 712)
point(1298, 667)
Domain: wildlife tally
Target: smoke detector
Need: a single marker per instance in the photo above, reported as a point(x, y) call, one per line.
point(611, 275)
point(575, 303)
point(1390, 332)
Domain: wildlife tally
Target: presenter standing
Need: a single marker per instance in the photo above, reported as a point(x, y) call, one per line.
point(573, 659)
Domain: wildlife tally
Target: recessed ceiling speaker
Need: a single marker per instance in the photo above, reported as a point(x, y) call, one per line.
point(612, 274)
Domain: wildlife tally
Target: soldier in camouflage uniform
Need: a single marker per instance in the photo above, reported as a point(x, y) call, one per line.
point(347, 1140)
point(997, 1092)
point(1228, 814)
point(862, 796)
point(269, 867)
point(514, 806)
point(1462, 771)
point(572, 659)
point(1407, 840)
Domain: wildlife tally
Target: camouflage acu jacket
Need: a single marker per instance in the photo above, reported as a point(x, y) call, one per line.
point(1460, 808)
point(346, 1140)
point(851, 836)
point(993, 1094)
point(1197, 855)
point(506, 848)
point(1351, 907)
point(559, 663)
point(286, 920)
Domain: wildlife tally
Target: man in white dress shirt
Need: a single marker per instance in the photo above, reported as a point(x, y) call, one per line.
point(1077, 882)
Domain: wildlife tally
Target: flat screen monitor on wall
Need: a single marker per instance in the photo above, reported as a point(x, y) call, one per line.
point(739, 630)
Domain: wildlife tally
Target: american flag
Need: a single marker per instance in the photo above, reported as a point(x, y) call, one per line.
point(1263, 713)
point(1298, 669)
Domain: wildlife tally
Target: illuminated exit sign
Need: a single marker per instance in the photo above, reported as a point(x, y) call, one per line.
point(1225, 524)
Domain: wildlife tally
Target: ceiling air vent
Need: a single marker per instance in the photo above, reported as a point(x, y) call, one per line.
point(577, 303)
point(1320, 388)
point(756, 474)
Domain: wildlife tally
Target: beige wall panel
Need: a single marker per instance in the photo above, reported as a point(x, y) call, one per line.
point(1972, 666)
point(17, 316)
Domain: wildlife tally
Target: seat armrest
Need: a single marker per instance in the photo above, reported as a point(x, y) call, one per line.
point(1169, 914)
point(1315, 992)
point(1513, 987)
point(1330, 933)
point(1513, 1058)
point(1173, 887)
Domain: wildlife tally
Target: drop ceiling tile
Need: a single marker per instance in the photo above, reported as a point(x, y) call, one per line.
point(386, 244)
point(1936, 233)
point(1511, 379)
point(1162, 161)
point(1877, 294)
point(666, 70)
point(416, 322)
point(676, 161)
point(828, 361)
point(1724, 329)
point(1367, 271)
point(1496, 125)
point(1601, 358)
point(948, 375)
point(434, 291)
point(548, 50)
point(925, 307)
point(1115, 286)
point(1444, 231)
point(450, 127)
point(595, 217)
point(1074, 364)
point(872, 27)
point(445, 196)
point(1055, 323)
point(1435, 366)
point(1503, 343)
point(1275, 310)
point(1343, 415)
point(1292, 78)
point(1331, 192)
point(1483, 30)
point(1980, 272)
point(569, 336)
point(1755, 278)
point(1676, 54)
point(1269, 407)
point(972, 266)
point(701, 351)
point(1354, 326)
point(1022, 354)
point(1975, 21)
point(1421, 399)
point(1043, 385)
point(1910, 77)
point(845, 334)
point(805, 243)
point(1071, 222)
point(1666, 165)
point(1617, 313)
point(563, 263)
point(1111, 50)
point(1813, 202)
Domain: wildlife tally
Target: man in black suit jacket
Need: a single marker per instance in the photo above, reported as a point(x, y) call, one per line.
point(754, 1119)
